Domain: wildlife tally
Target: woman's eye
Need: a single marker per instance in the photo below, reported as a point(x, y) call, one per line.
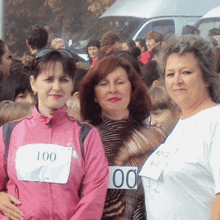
point(187, 72)
point(103, 83)
point(120, 82)
point(21, 96)
point(48, 80)
point(156, 112)
point(170, 74)
point(64, 80)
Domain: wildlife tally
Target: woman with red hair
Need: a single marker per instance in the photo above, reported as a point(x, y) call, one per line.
point(115, 100)
point(153, 40)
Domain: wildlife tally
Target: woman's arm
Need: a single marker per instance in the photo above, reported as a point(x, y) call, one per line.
point(95, 181)
point(214, 163)
point(216, 208)
point(8, 206)
point(7, 202)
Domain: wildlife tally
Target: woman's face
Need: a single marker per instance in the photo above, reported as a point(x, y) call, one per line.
point(125, 47)
point(25, 97)
point(184, 81)
point(93, 51)
point(60, 45)
point(113, 93)
point(151, 44)
point(6, 62)
point(165, 119)
point(117, 46)
point(139, 46)
point(53, 88)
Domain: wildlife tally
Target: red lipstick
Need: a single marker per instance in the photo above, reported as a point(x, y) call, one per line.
point(113, 100)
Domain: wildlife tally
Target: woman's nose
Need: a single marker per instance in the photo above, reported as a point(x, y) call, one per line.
point(178, 78)
point(56, 85)
point(153, 121)
point(112, 88)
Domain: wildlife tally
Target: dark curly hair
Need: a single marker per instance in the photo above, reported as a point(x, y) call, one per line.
point(37, 37)
point(108, 40)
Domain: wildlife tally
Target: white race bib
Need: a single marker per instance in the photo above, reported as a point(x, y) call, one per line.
point(156, 163)
point(123, 177)
point(44, 163)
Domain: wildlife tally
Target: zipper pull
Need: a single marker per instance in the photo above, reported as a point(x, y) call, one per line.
point(50, 124)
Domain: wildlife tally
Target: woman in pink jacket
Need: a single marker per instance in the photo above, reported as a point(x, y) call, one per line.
point(50, 171)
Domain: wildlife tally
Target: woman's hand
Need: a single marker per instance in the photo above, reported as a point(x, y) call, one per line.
point(8, 206)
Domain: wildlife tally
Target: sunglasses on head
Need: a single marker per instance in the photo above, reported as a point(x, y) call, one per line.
point(45, 51)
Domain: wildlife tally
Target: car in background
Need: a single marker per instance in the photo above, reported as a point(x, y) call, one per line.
point(210, 20)
point(133, 19)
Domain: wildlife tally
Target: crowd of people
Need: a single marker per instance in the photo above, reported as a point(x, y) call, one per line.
point(131, 134)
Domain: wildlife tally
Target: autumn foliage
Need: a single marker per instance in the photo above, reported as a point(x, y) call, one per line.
point(63, 17)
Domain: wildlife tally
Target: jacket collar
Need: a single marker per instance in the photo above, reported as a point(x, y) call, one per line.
point(47, 119)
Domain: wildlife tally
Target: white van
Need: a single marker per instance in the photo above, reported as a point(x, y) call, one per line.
point(133, 19)
point(210, 20)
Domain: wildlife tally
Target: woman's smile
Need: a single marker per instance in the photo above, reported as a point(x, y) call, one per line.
point(56, 96)
point(114, 99)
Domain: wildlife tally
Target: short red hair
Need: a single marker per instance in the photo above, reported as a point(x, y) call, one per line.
point(157, 36)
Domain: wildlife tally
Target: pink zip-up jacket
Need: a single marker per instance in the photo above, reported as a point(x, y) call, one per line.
point(45, 200)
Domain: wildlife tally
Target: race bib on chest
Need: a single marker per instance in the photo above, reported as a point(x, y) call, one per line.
point(44, 163)
point(123, 177)
point(156, 163)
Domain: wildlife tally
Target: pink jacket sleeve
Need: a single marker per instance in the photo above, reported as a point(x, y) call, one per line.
point(2, 217)
point(95, 181)
point(3, 174)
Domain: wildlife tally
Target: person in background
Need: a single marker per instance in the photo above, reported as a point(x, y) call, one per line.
point(114, 99)
point(92, 49)
point(189, 29)
point(58, 43)
point(131, 59)
point(51, 30)
point(181, 177)
point(214, 35)
point(150, 73)
point(5, 60)
point(136, 52)
point(73, 103)
point(164, 112)
point(16, 65)
point(50, 173)
point(83, 65)
point(36, 38)
point(153, 39)
point(16, 87)
point(128, 45)
point(110, 42)
point(141, 44)
point(11, 111)
point(217, 53)
point(27, 58)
